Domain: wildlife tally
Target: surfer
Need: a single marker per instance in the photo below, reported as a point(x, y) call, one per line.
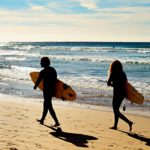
point(117, 79)
point(49, 77)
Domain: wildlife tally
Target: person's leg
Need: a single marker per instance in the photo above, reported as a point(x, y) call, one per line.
point(116, 115)
point(126, 120)
point(45, 110)
point(116, 105)
point(53, 114)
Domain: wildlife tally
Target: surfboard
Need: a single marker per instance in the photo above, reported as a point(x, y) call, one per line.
point(133, 95)
point(62, 90)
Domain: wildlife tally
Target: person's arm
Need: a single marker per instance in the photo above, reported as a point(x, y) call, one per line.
point(110, 82)
point(38, 81)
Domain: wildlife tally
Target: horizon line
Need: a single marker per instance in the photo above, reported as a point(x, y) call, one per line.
point(77, 41)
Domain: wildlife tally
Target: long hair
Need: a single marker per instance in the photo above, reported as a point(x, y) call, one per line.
point(115, 67)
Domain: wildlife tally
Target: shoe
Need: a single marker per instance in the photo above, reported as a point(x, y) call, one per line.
point(59, 130)
point(40, 121)
point(56, 125)
point(113, 128)
point(130, 126)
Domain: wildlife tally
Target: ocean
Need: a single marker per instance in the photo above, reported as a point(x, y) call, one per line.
point(83, 65)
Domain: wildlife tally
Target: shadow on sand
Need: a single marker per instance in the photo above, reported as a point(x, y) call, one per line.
point(80, 140)
point(138, 137)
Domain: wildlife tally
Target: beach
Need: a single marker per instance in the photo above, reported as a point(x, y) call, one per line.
point(85, 122)
point(82, 128)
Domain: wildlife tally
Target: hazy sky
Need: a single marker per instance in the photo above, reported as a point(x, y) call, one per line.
point(75, 20)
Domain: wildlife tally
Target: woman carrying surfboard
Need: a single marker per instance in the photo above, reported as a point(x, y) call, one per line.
point(117, 79)
point(49, 77)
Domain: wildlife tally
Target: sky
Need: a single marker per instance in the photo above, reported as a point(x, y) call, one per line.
point(75, 20)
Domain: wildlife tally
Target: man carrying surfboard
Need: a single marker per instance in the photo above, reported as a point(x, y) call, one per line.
point(49, 77)
point(117, 79)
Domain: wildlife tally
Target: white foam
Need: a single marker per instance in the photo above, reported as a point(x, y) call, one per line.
point(15, 58)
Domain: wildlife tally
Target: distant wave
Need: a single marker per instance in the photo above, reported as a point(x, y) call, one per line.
point(87, 57)
point(144, 62)
point(15, 59)
point(144, 51)
point(78, 46)
point(98, 59)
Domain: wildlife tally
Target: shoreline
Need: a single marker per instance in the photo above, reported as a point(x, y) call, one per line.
point(138, 111)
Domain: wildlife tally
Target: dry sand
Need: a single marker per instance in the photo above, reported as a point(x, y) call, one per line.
point(81, 128)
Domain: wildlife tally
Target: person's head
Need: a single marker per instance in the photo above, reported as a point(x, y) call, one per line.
point(45, 62)
point(115, 66)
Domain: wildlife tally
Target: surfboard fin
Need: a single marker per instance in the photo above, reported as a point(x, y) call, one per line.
point(63, 98)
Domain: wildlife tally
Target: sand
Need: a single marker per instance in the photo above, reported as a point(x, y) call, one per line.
point(81, 128)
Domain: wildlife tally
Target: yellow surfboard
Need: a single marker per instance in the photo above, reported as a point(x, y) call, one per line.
point(133, 95)
point(62, 90)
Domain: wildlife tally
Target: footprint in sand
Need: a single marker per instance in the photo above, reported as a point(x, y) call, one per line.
point(13, 148)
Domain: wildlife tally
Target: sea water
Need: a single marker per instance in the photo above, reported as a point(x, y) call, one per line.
point(83, 65)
